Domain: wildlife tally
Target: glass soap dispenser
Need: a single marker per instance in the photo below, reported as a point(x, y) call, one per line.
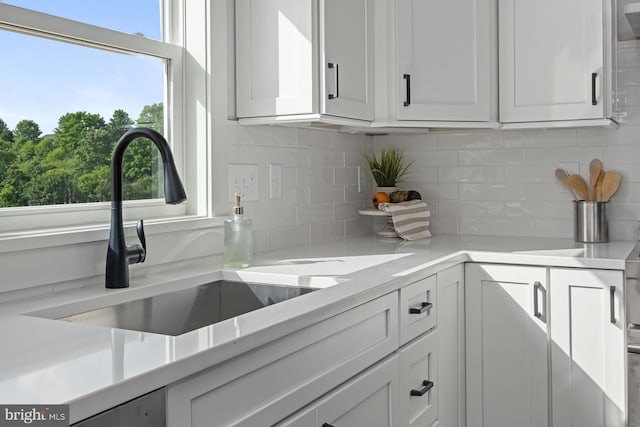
point(238, 243)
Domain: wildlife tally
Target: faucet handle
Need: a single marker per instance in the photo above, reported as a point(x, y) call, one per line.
point(143, 240)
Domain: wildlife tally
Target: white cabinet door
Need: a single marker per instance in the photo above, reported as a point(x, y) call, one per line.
point(275, 57)
point(419, 382)
point(506, 346)
point(551, 54)
point(588, 348)
point(451, 377)
point(368, 400)
point(443, 54)
point(347, 31)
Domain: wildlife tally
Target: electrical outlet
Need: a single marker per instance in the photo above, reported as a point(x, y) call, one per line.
point(275, 181)
point(243, 179)
point(572, 168)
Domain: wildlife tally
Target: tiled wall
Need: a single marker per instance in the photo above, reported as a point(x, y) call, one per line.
point(503, 183)
point(320, 198)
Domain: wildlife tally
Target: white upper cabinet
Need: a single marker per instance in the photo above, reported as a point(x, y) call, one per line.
point(304, 57)
point(345, 30)
point(443, 51)
point(554, 60)
point(275, 57)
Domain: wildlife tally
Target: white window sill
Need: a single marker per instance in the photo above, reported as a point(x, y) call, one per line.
point(20, 241)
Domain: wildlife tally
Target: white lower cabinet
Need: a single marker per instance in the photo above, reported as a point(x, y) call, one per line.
point(351, 370)
point(371, 400)
point(506, 346)
point(587, 348)
point(543, 353)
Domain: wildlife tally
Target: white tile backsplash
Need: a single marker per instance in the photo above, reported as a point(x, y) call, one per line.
point(320, 198)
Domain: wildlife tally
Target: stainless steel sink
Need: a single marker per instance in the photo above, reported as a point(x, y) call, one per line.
point(176, 313)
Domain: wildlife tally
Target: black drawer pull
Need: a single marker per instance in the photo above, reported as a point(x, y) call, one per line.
point(612, 304)
point(334, 67)
point(427, 385)
point(425, 306)
point(326, 425)
point(407, 79)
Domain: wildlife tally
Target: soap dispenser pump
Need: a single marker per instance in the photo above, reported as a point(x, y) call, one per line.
point(238, 242)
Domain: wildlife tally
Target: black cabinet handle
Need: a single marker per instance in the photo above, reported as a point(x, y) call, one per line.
point(407, 79)
point(425, 306)
point(537, 286)
point(334, 67)
point(594, 77)
point(427, 385)
point(326, 425)
point(612, 304)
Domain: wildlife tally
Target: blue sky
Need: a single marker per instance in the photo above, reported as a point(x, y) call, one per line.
point(43, 79)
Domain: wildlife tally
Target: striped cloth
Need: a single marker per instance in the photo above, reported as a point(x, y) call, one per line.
point(410, 219)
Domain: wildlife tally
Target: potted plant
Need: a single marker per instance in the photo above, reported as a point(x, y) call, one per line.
point(387, 170)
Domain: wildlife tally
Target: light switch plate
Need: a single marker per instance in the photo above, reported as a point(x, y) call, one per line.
point(243, 179)
point(275, 181)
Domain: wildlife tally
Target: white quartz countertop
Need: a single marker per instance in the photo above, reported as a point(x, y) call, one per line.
point(94, 368)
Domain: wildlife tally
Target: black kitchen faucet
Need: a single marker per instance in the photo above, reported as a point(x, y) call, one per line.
point(119, 254)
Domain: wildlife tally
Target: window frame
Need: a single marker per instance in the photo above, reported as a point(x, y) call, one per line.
point(29, 221)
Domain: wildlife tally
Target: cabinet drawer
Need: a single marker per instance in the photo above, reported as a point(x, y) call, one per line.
point(293, 371)
point(419, 382)
point(418, 311)
point(368, 400)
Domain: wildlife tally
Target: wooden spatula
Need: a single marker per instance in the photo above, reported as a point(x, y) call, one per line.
point(610, 184)
point(579, 185)
point(562, 176)
point(595, 170)
point(598, 188)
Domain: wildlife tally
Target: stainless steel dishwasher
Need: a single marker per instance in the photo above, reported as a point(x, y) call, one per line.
point(632, 292)
point(148, 410)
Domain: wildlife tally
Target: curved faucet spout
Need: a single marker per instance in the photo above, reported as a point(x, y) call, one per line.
point(119, 254)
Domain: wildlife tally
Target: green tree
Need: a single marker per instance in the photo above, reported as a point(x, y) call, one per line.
point(5, 132)
point(73, 164)
point(152, 116)
point(27, 130)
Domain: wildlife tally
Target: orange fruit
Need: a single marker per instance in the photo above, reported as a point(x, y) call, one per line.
point(380, 197)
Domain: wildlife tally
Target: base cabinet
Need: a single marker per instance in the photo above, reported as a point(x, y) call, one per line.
point(544, 353)
point(506, 346)
point(587, 348)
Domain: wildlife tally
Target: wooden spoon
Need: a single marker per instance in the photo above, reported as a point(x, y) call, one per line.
point(595, 170)
point(562, 176)
point(610, 184)
point(579, 185)
point(598, 188)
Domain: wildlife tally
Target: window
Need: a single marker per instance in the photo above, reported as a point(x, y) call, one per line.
point(70, 89)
